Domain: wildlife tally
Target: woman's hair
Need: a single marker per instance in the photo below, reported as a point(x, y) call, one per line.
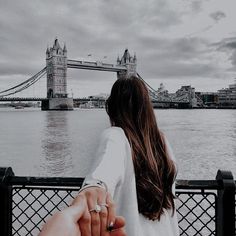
point(130, 108)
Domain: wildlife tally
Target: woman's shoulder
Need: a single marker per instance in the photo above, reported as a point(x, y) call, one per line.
point(116, 136)
point(114, 133)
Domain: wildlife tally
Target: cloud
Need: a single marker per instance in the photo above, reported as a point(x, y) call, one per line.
point(196, 5)
point(180, 69)
point(217, 16)
point(106, 28)
point(228, 46)
point(153, 14)
point(231, 45)
point(100, 27)
point(179, 57)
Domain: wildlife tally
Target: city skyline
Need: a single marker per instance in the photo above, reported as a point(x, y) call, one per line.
point(176, 42)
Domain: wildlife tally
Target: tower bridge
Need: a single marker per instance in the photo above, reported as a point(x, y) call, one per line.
point(56, 71)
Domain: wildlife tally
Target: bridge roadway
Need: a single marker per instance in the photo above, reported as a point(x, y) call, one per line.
point(82, 100)
point(38, 99)
point(95, 65)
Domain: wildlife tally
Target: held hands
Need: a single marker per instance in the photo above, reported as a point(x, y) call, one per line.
point(83, 218)
point(100, 216)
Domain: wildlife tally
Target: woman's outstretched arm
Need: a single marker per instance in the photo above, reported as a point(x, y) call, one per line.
point(109, 172)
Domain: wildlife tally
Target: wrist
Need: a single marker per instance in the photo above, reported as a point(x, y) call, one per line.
point(89, 183)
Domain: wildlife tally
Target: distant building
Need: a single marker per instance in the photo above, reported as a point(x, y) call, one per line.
point(100, 96)
point(162, 91)
point(187, 93)
point(96, 101)
point(161, 95)
point(209, 98)
point(227, 96)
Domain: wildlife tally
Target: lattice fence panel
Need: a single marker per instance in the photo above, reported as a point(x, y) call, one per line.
point(196, 213)
point(32, 207)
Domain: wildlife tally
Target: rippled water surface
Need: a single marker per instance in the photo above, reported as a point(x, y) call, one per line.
point(60, 143)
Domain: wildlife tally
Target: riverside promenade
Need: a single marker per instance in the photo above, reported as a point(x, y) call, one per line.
point(204, 207)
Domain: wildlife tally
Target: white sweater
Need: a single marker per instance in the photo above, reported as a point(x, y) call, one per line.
point(115, 167)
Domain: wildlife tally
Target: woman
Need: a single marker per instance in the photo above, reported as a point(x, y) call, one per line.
point(135, 164)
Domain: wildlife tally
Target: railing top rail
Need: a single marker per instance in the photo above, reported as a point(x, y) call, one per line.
point(73, 182)
point(44, 181)
point(198, 184)
point(8, 178)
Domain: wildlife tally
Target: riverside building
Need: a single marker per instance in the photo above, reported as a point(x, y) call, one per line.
point(209, 99)
point(227, 96)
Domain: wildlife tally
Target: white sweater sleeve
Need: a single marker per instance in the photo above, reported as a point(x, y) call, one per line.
point(110, 157)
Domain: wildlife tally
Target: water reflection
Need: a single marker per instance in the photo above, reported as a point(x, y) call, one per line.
point(56, 144)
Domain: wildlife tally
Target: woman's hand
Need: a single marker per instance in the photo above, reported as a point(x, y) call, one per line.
point(99, 217)
point(67, 222)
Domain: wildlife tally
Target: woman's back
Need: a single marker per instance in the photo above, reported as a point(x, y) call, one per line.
point(136, 163)
point(117, 171)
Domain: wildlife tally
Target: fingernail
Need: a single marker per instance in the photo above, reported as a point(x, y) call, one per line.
point(110, 227)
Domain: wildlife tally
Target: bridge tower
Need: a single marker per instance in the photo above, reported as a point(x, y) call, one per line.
point(56, 63)
point(129, 62)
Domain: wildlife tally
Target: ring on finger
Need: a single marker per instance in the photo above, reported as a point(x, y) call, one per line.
point(104, 205)
point(97, 208)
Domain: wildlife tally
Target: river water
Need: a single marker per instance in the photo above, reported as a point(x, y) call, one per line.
point(63, 143)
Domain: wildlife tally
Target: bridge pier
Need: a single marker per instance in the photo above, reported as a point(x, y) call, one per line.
point(57, 104)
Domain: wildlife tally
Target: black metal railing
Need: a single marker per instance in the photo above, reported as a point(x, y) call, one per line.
point(204, 207)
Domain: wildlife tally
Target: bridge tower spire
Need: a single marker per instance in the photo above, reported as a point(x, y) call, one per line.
point(56, 63)
point(129, 62)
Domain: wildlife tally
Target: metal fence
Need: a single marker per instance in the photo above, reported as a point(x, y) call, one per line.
point(204, 207)
point(196, 211)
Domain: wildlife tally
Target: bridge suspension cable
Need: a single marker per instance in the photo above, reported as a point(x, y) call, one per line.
point(24, 85)
point(152, 91)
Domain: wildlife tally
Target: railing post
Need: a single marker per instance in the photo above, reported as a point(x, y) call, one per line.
point(225, 211)
point(5, 202)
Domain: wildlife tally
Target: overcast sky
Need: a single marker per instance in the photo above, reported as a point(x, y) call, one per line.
point(177, 42)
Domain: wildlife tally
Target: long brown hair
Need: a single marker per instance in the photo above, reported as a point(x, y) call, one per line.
point(130, 108)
